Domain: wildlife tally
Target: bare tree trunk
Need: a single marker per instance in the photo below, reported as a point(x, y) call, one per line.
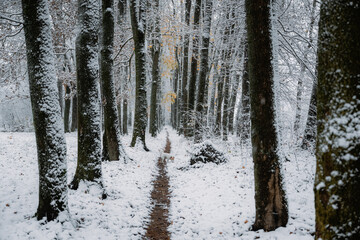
point(244, 121)
point(155, 52)
point(270, 200)
point(49, 132)
point(113, 143)
point(310, 128)
point(219, 101)
point(89, 118)
point(74, 113)
point(337, 178)
point(184, 81)
point(194, 68)
point(138, 29)
point(67, 108)
point(233, 95)
point(204, 68)
point(125, 116)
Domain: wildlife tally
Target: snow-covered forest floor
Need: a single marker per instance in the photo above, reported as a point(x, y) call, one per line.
point(208, 202)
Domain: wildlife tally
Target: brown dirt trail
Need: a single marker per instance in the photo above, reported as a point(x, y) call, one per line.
point(160, 197)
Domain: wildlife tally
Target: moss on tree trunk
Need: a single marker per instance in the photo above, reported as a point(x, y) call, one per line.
point(337, 180)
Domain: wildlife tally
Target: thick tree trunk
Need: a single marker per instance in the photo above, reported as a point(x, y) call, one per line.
point(270, 200)
point(184, 79)
point(113, 143)
point(204, 68)
point(89, 118)
point(193, 69)
point(337, 179)
point(155, 72)
point(138, 29)
point(51, 147)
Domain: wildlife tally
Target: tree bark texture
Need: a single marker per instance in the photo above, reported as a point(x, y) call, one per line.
point(204, 69)
point(337, 178)
point(219, 101)
point(310, 128)
point(49, 131)
point(111, 121)
point(89, 118)
point(140, 118)
point(244, 121)
point(67, 108)
point(184, 79)
point(155, 72)
point(270, 200)
point(125, 116)
point(74, 113)
point(194, 68)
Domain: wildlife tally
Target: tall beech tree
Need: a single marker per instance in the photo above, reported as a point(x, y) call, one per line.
point(138, 29)
point(270, 200)
point(204, 69)
point(194, 68)
point(111, 137)
point(337, 179)
point(185, 70)
point(155, 71)
point(89, 119)
point(244, 119)
point(49, 131)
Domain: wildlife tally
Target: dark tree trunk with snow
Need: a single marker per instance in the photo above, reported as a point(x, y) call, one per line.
point(67, 108)
point(219, 101)
point(184, 79)
point(125, 116)
point(60, 94)
point(244, 120)
point(51, 147)
point(155, 72)
point(138, 29)
point(337, 179)
point(225, 120)
point(193, 69)
point(310, 128)
point(270, 200)
point(111, 121)
point(89, 118)
point(204, 69)
point(74, 113)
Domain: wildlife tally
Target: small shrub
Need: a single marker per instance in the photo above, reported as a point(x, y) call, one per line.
point(206, 152)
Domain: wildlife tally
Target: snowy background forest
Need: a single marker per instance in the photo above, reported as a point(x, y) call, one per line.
point(153, 124)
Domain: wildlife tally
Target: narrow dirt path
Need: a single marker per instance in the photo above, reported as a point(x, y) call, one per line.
point(159, 222)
